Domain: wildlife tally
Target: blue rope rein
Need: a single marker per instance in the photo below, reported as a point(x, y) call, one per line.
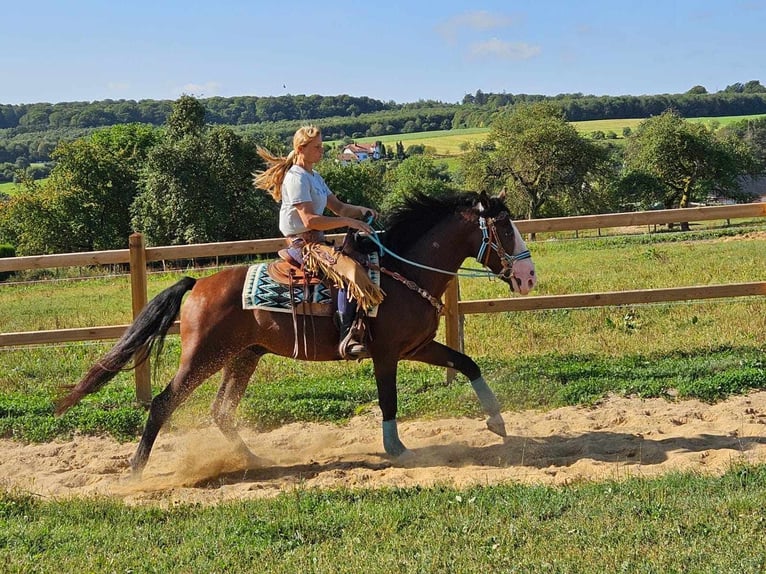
point(462, 271)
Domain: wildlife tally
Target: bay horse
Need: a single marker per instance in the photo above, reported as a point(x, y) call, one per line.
point(425, 241)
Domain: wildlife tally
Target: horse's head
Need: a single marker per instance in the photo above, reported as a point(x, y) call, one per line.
point(502, 248)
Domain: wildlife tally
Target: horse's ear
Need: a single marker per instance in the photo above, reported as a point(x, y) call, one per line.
point(483, 204)
point(503, 193)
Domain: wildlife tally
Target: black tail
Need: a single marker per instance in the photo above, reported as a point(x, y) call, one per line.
point(146, 333)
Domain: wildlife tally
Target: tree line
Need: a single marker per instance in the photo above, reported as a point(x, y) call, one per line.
point(218, 110)
point(189, 181)
point(735, 100)
point(30, 132)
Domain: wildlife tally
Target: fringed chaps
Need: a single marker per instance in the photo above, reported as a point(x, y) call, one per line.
point(344, 272)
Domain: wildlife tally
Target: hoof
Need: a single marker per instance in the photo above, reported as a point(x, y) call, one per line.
point(136, 470)
point(253, 461)
point(391, 442)
point(396, 450)
point(407, 456)
point(496, 424)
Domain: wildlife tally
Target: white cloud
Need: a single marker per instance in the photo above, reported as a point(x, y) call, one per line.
point(477, 20)
point(505, 50)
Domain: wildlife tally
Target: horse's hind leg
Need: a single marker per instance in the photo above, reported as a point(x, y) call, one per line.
point(188, 377)
point(236, 376)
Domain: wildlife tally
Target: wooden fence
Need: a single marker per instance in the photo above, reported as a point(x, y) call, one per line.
point(138, 256)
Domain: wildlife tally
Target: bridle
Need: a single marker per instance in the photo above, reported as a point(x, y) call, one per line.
point(488, 231)
point(490, 240)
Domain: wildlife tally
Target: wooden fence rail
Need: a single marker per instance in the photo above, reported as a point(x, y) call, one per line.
point(138, 256)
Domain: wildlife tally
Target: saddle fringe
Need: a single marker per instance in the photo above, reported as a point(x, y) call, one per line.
point(344, 272)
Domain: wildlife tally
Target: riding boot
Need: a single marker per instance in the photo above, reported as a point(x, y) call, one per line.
point(351, 345)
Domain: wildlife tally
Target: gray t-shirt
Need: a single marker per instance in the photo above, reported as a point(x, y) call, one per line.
point(301, 186)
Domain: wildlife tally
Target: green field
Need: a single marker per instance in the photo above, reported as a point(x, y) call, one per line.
point(449, 142)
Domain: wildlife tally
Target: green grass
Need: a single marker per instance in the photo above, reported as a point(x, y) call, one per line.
point(678, 523)
point(8, 188)
point(284, 391)
point(726, 120)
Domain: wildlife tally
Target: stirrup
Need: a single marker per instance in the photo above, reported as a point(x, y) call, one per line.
point(351, 349)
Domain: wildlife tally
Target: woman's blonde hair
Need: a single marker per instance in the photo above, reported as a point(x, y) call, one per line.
point(271, 179)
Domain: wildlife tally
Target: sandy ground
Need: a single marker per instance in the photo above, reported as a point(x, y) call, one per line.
point(616, 439)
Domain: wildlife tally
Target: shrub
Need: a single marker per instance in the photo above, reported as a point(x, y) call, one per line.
point(721, 385)
point(6, 251)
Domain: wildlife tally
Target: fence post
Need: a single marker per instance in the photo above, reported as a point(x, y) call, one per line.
point(453, 322)
point(139, 296)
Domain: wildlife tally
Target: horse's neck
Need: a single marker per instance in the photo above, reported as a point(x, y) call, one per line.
point(443, 247)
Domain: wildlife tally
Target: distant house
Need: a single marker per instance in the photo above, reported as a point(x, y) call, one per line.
point(360, 152)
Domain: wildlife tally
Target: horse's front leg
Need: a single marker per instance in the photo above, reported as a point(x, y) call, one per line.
point(385, 379)
point(435, 353)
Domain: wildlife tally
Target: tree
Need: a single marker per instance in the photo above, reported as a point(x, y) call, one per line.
point(418, 173)
point(536, 155)
point(197, 188)
point(84, 205)
point(685, 158)
point(29, 222)
point(356, 183)
point(697, 90)
point(248, 213)
point(186, 119)
point(737, 88)
point(753, 87)
point(753, 133)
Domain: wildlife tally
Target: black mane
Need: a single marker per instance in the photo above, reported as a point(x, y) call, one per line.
point(413, 216)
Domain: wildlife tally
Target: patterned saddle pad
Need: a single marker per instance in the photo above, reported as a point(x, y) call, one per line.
point(262, 292)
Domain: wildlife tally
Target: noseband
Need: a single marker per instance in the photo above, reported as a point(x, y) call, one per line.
point(490, 238)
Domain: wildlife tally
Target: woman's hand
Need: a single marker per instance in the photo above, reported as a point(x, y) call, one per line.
point(359, 225)
point(368, 214)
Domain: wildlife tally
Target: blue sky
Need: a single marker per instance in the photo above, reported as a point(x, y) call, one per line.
point(85, 50)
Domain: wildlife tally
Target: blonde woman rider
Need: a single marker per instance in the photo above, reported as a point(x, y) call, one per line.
point(303, 197)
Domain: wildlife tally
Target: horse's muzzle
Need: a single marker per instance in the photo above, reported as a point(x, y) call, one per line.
point(522, 286)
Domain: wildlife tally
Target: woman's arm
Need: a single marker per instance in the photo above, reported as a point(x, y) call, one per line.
point(348, 210)
point(327, 222)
